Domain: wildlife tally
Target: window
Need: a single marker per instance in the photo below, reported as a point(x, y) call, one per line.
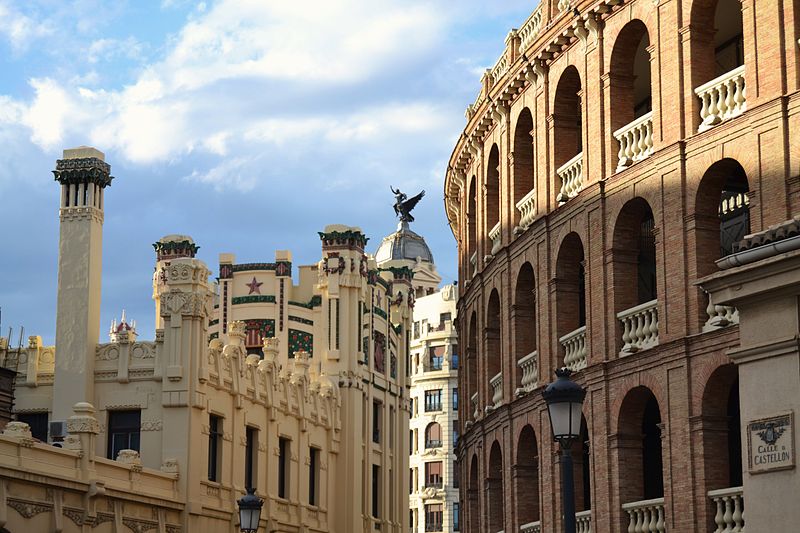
point(376, 422)
point(444, 318)
point(433, 474)
point(391, 427)
point(454, 358)
point(416, 330)
point(123, 431)
point(313, 476)
point(283, 467)
point(456, 475)
point(435, 357)
point(251, 446)
point(214, 447)
point(433, 400)
point(456, 432)
point(411, 481)
point(433, 435)
point(433, 517)
point(37, 422)
point(456, 517)
point(376, 485)
point(455, 399)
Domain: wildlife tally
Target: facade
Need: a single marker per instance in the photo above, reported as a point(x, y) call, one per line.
point(614, 152)
point(296, 390)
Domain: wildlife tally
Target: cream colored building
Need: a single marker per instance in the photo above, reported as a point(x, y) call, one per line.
point(296, 389)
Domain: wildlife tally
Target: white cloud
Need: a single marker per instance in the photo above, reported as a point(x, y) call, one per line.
point(231, 173)
point(107, 49)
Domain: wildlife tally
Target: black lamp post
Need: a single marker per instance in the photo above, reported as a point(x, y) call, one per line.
point(564, 400)
point(249, 511)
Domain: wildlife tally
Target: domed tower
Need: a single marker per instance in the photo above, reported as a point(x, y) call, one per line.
point(168, 248)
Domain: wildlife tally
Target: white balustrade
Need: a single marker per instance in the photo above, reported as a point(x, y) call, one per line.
point(494, 236)
point(497, 389)
point(732, 203)
point(563, 5)
point(583, 522)
point(635, 141)
point(530, 30)
point(473, 107)
point(476, 410)
point(527, 209)
point(574, 344)
point(720, 316)
point(473, 261)
point(729, 517)
point(639, 327)
point(646, 516)
point(530, 372)
point(722, 98)
point(571, 175)
point(532, 527)
point(498, 70)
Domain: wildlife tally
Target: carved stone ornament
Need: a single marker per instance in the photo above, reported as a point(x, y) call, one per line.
point(139, 526)
point(83, 420)
point(428, 493)
point(170, 466)
point(28, 509)
point(20, 430)
point(130, 457)
point(152, 425)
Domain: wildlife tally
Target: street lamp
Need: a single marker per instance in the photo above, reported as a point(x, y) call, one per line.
point(249, 511)
point(564, 400)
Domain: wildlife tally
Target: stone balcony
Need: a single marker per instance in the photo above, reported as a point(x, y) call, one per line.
point(729, 504)
point(646, 516)
point(529, 365)
point(571, 176)
point(497, 390)
point(575, 352)
point(527, 209)
point(635, 141)
point(494, 236)
point(639, 327)
point(722, 98)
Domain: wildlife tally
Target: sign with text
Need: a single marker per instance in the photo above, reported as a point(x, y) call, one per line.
point(770, 443)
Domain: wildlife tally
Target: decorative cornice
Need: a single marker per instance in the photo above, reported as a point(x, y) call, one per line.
point(83, 170)
point(349, 238)
point(255, 298)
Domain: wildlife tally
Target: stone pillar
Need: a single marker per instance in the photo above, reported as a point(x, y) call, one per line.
point(83, 429)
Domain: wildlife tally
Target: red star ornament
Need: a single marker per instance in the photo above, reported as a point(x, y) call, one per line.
point(255, 286)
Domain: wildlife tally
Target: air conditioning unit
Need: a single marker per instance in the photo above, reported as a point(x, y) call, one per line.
point(58, 429)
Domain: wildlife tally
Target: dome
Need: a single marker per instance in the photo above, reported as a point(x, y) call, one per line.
point(403, 244)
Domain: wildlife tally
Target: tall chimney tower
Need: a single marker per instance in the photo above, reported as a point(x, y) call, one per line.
point(83, 175)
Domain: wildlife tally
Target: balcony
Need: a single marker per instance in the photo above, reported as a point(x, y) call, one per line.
point(532, 527)
point(497, 390)
point(494, 236)
point(722, 98)
point(730, 509)
point(571, 176)
point(476, 410)
point(583, 522)
point(635, 141)
point(433, 484)
point(433, 527)
point(529, 365)
point(574, 344)
point(646, 516)
point(433, 444)
point(639, 327)
point(527, 209)
point(473, 261)
point(530, 30)
point(720, 316)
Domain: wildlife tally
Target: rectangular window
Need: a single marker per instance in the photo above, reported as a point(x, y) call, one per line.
point(251, 446)
point(444, 318)
point(38, 424)
point(433, 400)
point(376, 422)
point(376, 490)
point(456, 432)
point(313, 476)
point(454, 358)
point(214, 447)
point(456, 475)
point(283, 467)
point(433, 517)
point(455, 399)
point(456, 517)
point(411, 440)
point(123, 431)
point(433, 474)
point(435, 357)
point(411, 481)
point(391, 427)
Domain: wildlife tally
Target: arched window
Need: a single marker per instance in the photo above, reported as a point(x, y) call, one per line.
point(495, 503)
point(631, 94)
point(471, 375)
point(582, 469)
point(433, 435)
point(526, 477)
point(494, 356)
point(571, 302)
point(472, 241)
point(493, 200)
point(523, 316)
point(473, 500)
point(524, 195)
point(568, 135)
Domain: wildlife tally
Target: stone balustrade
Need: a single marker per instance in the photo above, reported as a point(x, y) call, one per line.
point(729, 516)
point(532, 527)
point(529, 365)
point(494, 236)
point(530, 30)
point(571, 176)
point(476, 409)
point(639, 327)
point(583, 522)
point(734, 202)
point(722, 98)
point(497, 390)
point(498, 70)
point(563, 5)
point(635, 141)
point(473, 261)
point(527, 209)
point(574, 344)
point(720, 316)
point(646, 516)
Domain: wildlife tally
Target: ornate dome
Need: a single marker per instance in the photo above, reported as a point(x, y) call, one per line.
point(403, 244)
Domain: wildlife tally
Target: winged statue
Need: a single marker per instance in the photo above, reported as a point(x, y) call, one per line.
point(403, 204)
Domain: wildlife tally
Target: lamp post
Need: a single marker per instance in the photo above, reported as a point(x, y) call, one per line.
point(564, 400)
point(249, 511)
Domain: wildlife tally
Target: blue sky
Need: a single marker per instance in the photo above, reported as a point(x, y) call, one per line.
point(248, 125)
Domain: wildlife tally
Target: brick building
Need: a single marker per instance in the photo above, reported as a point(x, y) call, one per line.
point(616, 150)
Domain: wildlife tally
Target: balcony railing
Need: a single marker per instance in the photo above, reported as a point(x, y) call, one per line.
point(722, 98)
point(433, 484)
point(497, 390)
point(433, 444)
point(720, 316)
point(574, 344)
point(730, 509)
point(433, 527)
point(646, 516)
point(499, 69)
point(635, 141)
point(529, 365)
point(571, 176)
point(583, 522)
point(473, 261)
point(527, 209)
point(533, 527)
point(639, 327)
point(476, 410)
point(530, 30)
point(494, 236)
